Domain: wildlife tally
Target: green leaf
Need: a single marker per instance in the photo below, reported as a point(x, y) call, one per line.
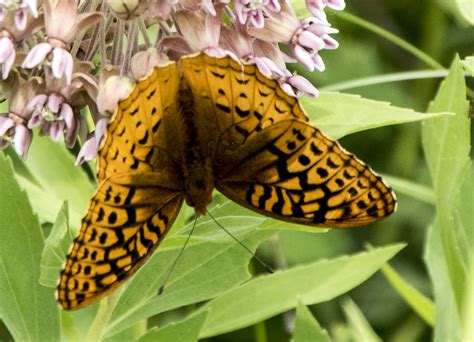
point(28, 309)
point(53, 166)
point(360, 328)
point(267, 296)
point(341, 114)
point(56, 248)
point(412, 189)
point(185, 331)
point(468, 64)
point(422, 305)
point(466, 9)
point(447, 147)
point(448, 323)
point(307, 327)
point(205, 270)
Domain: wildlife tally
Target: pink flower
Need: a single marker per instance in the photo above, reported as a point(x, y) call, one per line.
point(91, 146)
point(7, 56)
point(60, 32)
point(253, 10)
point(13, 125)
point(20, 10)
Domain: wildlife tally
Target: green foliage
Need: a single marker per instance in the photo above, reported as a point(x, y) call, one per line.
point(185, 331)
point(307, 327)
point(359, 327)
point(28, 309)
point(447, 149)
point(341, 114)
point(217, 288)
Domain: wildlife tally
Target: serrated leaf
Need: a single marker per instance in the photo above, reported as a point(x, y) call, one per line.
point(446, 143)
point(361, 329)
point(56, 248)
point(28, 309)
point(307, 328)
point(53, 166)
point(184, 331)
point(206, 269)
point(341, 114)
point(267, 296)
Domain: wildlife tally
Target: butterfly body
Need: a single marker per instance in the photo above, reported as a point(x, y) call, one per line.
point(201, 124)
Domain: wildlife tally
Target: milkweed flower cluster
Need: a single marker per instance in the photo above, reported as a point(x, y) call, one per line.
point(66, 64)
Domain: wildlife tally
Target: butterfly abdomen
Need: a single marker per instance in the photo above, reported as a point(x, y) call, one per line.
point(197, 170)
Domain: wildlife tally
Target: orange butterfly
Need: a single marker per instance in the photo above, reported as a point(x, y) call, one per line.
point(201, 124)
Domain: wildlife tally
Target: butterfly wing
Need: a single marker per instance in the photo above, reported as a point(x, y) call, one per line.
point(138, 197)
point(234, 101)
point(292, 172)
point(267, 156)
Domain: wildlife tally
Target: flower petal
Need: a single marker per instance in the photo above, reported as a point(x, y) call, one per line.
point(303, 85)
point(22, 140)
point(311, 41)
point(20, 19)
point(6, 48)
point(303, 57)
point(5, 124)
point(7, 66)
point(88, 151)
point(54, 102)
point(68, 115)
point(37, 55)
point(56, 130)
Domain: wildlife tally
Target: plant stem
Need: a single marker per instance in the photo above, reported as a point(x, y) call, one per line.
point(102, 317)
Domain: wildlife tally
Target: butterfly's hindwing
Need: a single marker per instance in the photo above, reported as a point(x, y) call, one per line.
point(127, 219)
point(293, 172)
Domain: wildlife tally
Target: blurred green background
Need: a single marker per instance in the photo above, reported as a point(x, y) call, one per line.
point(438, 29)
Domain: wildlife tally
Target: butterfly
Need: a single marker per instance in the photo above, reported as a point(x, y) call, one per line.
point(201, 124)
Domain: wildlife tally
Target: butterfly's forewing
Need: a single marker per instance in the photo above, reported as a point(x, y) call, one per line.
point(136, 136)
point(137, 200)
point(270, 159)
point(234, 101)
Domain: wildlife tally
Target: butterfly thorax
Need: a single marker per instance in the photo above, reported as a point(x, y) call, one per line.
point(197, 168)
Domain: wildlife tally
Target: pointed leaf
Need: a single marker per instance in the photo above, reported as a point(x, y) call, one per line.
point(56, 249)
point(307, 328)
point(340, 114)
point(361, 329)
point(28, 309)
point(447, 147)
point(422, 305)
point(184, 331)
point(267, 296)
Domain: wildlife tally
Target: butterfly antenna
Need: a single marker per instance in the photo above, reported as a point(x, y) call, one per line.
point(260, 261)
point(175, 262)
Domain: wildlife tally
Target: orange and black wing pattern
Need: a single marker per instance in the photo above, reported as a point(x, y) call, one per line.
point(270, 159)
point(138, 197)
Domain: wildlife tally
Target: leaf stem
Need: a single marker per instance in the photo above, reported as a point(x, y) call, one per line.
point(386, 78)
